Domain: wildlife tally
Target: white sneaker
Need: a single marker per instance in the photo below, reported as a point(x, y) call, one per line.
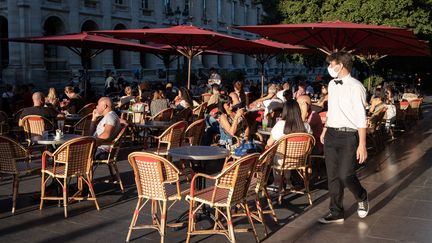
point(363, 208)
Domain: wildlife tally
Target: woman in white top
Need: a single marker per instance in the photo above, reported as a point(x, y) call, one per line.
point(291, 122)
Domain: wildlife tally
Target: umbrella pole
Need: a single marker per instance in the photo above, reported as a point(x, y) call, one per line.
point(189, 71)
point(262, 79)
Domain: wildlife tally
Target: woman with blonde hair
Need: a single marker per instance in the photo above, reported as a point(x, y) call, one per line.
point(52, 99)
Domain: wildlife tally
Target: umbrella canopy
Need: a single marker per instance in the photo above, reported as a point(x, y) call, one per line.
point(75, 42)
point(263, 50)
point(189, 41)
point(338, 35)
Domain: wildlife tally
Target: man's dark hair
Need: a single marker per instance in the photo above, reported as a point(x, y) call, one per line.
point(341, 57)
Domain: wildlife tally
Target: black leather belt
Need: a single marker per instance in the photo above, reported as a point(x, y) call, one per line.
point(343, 129)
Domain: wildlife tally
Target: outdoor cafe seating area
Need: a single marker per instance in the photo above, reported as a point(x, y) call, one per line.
point(167, 169)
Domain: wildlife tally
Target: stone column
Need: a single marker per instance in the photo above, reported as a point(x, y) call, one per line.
point(135, 8)
point(107, 56)
point(73, 26)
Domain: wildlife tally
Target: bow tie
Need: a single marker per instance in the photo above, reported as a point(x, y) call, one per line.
point(338, 81)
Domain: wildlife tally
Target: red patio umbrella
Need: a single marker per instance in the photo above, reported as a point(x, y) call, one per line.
point(337, 35)
point(84, 41)
point(172, 54)
point(190, 41)
point(263, 50)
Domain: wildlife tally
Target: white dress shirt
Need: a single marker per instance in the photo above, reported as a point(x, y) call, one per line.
point(346, 104)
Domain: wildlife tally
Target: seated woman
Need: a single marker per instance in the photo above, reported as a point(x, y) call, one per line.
point(322, 102)
point(128, 97)
point(291, 122)
point(238, 96)
point(158, 103)
point(376, 103)
point(75, 102)
point(183, 99)
point(52, 99)
point(271, 93)
point(231, 123)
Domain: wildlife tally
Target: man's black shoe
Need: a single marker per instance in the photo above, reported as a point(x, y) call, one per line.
point(330, 218)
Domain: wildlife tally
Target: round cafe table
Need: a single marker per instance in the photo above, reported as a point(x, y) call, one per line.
point(200, 154)
point(52, 140)
point(154, 124)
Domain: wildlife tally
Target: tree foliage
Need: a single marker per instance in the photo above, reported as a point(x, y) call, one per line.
point(412, 14)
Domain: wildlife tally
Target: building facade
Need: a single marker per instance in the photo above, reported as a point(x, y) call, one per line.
point(46, 65)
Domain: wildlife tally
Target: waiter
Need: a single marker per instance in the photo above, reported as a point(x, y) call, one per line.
point(344, 137)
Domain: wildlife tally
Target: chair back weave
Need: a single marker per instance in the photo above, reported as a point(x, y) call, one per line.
point(87, 109)
point(4, 123)
point(237, 176)
point(263, 168)
point(115, 147)
point(173, 135)
point(82, 127)
point(198, 112)
point(35, 125)
point(294, 149)
point(153, 174)
point(195, 132)
point(183, 115)
point(77, 154)
point(10, 151)
point(164, 115)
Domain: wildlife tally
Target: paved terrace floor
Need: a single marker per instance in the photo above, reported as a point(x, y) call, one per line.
point(400, 198)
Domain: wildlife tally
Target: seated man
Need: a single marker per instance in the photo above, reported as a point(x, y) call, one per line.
point(107, 128)
point(39, 108)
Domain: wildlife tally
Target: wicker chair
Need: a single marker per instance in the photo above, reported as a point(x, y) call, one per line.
point(111, 160)
point(172, 137)
point(82, 127)
point(35, 125)
point(194, 132)
point(163, 115)
point(4, 123)
point(157, 180)
point(87, 109)
point(375, 130)
point(294, 153)
point(198, 112)
point(15, 128)
point(259, 185)
point(183, 115)
point(15, 160)
point(230, 189)
point(72, 159)
point(413, 111)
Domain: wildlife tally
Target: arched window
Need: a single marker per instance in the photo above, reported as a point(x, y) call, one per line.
point(4, 47)
point(117, 54)
point(53, 61)
point(88, 25)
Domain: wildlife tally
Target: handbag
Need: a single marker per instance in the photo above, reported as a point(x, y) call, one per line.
point(246, 147)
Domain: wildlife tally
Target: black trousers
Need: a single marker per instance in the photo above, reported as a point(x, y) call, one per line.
point(340, 156)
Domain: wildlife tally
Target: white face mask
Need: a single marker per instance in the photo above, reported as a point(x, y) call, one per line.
point(333, 73)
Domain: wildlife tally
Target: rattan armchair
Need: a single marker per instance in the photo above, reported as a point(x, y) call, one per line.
point(413, 111)
point(230, 190)
point(293, 153)
point(34, 125)
point(157, 180)
point(172, 137)
point(111, 160)
point(4, 123)
point(72, 159)
point(198, 112)
point(15, 160)
point(258, 185)
point(87, 109)
point(163, 115)
point(82, 127)
point(194, 132)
